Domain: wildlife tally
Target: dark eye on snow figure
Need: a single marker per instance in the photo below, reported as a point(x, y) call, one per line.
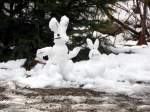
point(58, 35)
point(45, 57)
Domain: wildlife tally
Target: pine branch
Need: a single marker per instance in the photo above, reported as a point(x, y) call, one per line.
point(111, 17)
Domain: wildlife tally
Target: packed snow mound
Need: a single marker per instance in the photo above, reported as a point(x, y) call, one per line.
point(12, 70)
point(108, 72)
point(12, 64)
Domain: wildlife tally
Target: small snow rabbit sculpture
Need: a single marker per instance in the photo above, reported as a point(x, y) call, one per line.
point(94, 53)
point(60, 51)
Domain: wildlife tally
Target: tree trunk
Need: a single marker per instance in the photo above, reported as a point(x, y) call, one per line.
point(142, 36)
point(142, 40)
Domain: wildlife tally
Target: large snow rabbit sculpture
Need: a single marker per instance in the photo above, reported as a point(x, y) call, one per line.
point(59, 53)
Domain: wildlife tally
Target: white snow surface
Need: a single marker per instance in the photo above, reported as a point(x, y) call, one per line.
point(113, 73)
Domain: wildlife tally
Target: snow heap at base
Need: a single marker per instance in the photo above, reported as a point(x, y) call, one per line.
point(108, 73)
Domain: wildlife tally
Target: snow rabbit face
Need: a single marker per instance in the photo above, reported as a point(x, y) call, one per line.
point(59, 29)
point(94, 53)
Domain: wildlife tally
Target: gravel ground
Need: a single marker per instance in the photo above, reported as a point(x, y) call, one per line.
point(70, 100)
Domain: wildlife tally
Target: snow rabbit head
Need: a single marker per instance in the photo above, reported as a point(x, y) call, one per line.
point(59, 29)
point(94, 53)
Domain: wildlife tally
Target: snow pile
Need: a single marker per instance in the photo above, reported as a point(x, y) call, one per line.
point(12, 70)
point(107, 72)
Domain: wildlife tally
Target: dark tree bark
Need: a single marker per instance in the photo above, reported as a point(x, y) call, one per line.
point(142, 36)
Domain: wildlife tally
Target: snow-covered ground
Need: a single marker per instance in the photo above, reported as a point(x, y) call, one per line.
point(111, 73)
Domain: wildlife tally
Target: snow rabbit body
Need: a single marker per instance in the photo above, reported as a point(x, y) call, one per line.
point(59, 51)
point(94, 53)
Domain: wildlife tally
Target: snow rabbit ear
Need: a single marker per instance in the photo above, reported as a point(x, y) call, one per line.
point(89, 43)
point(53, 25)
point(96, 44)
point(64, 21)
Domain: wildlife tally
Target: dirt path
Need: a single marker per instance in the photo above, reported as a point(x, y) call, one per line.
point(70, 100)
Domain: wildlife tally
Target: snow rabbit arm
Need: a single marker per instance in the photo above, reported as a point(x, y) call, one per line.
point(74, 52)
